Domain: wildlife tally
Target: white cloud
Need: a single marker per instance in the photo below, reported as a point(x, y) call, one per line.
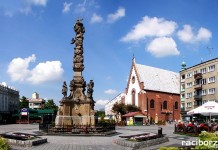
point(150, 27)
point(163, 46)
point(117, 15)
point(96, 18)
point(203, 34)
point(48, 71)
point(186, 35)
point(18, 70)
point(81, 7)
point(101, 102)
point(110, 91)
point(66, 7)
point(29, 3)
point(37, 2)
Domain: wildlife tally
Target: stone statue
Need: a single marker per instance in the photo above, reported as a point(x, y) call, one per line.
point(90, 89)
point(64, 89)
point(72, 88)
point(78, 41)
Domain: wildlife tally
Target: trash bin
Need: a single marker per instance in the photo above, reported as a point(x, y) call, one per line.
point(159, 131)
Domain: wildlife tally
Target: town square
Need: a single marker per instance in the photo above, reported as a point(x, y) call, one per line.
point(94, 74)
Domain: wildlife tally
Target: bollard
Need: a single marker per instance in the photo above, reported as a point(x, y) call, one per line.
point(159, 131)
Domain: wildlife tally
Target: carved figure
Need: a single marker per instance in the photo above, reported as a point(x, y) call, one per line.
point(72, 86)
point(64, 89)
point(90, 89)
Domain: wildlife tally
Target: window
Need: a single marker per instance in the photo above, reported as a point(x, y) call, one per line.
point(133, 79)
point(188, 75)
point(176, 105)
point(189, 84)
point(196, 71)
point(182, 95)
point(165, 105)
point(189, 104)
point(152, 103)
point(133, 97)
point(203, 70)
point(203, 81)
point(188, 95)
point(211, 68)
point(183, 77)
point(211, 91)
point(211, 79)
point(203, 92)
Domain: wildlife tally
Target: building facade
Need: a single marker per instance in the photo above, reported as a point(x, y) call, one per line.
point(120, 98)
point(35, 102)
point(155, 91)
point(198, 84)
point(9, 102)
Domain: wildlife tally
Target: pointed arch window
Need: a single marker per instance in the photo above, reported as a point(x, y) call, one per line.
point(151, 103)
point(133, 79)
point(165, 105)
point(133, 97)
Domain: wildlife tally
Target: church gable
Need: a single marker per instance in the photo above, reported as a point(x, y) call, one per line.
point(133, 86)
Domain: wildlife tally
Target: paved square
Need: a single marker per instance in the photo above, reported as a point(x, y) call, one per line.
point(95, 142)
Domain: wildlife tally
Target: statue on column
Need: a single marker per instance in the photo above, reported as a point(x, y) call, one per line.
point(78, 41)
point(90, 90)
point(64, 89)
point(72, 88)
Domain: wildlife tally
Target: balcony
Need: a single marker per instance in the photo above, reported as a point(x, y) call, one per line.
point(197, 86)
point(182, 90)
point(198, 76)
point(198, 97)
point(182, 99)
point(182, 109)
point(197, 103)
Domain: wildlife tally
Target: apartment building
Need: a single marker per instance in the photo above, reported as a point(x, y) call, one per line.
point(198, 84)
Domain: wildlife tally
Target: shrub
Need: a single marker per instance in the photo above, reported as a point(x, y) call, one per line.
point(208, 137)
point(3, 144)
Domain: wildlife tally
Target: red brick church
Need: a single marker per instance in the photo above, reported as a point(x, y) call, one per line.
point(155, 91)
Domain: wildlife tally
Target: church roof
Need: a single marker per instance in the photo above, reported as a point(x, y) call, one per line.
point(158, 79)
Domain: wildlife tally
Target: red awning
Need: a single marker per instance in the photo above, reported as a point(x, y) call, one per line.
point(132, 114)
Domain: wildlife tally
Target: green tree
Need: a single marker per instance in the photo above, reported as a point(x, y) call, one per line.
point(24, 103)
point(132, 108)
point(49, 104)
point(101, 114)
point(119, 109)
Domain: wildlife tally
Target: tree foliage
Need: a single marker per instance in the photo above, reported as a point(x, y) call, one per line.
point(49, 104)
point(100, 114)
point(119, 108)
point(132, 108)
point(24, 103)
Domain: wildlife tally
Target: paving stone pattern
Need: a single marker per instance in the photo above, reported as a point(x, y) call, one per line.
point(95, 142)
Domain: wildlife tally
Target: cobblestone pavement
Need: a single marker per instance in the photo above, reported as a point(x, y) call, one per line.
point(95, 142)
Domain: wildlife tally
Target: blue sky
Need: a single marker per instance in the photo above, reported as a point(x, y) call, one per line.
point(35, 36)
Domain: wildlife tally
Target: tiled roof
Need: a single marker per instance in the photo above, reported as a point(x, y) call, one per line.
point(131, 114)
point(158, 79)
